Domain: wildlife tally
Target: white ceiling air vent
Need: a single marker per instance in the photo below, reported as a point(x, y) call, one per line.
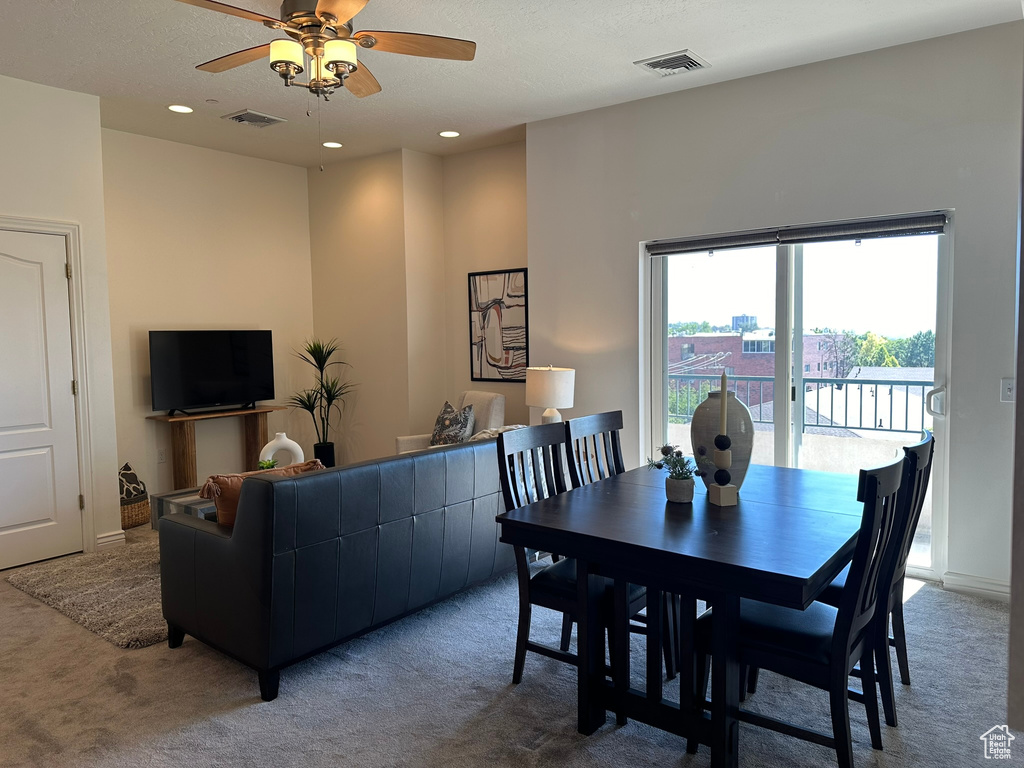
point(255, 119)
point(672, 63)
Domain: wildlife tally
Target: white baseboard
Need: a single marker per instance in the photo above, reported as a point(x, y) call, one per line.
point(108, 540)
point(976, 585)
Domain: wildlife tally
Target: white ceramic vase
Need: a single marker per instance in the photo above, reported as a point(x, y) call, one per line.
point(704, 429)
point(282, 442)
point(679, 491)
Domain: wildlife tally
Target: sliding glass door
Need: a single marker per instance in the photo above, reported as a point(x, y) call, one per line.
point(865, 361)
point(834, 344)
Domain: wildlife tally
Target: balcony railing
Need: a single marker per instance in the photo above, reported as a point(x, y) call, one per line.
point(877, 405)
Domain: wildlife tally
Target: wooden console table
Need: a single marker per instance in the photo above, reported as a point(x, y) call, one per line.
point(183, 439)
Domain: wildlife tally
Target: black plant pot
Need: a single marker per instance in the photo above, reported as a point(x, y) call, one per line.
point(324, 452)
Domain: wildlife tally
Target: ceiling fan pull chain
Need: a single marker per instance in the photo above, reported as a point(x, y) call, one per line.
point(319, 136)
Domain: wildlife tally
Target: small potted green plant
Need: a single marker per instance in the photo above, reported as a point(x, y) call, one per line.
point(325, 398)
point(679, 483)
point(267, 464)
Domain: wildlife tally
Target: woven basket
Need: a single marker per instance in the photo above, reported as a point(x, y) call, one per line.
point(135, 513)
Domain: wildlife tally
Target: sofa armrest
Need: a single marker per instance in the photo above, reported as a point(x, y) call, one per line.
point(214, 582)
point(407, 443)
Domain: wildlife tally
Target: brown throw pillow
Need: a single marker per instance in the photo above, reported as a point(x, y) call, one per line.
point(452, 426)
point(225, 489)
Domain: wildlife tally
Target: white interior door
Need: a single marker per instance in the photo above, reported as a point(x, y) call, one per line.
point(39, 482)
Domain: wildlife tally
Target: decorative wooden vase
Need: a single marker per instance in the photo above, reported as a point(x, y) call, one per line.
point(704, 428)
point(679, 491)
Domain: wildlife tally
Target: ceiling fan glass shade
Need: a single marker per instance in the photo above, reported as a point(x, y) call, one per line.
point(339, 52)
point(286, 57)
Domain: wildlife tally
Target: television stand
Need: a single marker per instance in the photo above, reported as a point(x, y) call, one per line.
point(183, 439)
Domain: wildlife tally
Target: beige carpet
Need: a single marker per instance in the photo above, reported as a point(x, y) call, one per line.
point(434, 691)
point(115, 594)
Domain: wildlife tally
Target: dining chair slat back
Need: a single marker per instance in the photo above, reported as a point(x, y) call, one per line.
point(917, 470)
point(879, 491)
point(595, 452)
point(531, 464)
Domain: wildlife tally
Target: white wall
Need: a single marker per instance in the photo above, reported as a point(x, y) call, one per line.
point(50, 167)
point(931, 125)
point(196, 242)
point(484, 229)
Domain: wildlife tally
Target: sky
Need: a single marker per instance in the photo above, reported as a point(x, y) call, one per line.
point(886, 285)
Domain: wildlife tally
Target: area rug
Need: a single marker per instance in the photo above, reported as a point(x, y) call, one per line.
point(115, 594)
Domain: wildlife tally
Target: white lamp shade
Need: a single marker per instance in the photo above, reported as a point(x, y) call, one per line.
point(286, 52)
point(550, 387)
point(339, 52)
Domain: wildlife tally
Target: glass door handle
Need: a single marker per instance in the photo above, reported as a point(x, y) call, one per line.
point(936, 395)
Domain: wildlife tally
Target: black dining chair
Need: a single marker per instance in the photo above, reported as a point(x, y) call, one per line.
point(594, 448)
point(820, 646)
point(917, 469)
point(595, 453)
point(531, 467)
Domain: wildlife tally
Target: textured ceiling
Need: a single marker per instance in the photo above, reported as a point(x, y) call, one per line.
point(535, 59)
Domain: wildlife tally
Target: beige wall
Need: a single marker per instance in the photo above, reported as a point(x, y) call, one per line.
point(425, 287)
point(196, 242)
point(357, 239)
point(484, 229)
point(393, 238)
point(50, 167)
point(931, 125)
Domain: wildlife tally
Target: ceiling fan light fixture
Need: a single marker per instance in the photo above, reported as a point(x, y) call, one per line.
point(286, 58)
point(340, 56)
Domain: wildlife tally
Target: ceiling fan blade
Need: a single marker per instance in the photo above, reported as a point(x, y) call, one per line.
point(343, 10)
point(361, 83)
point(412, 44)
point(241, 13)
point(236, 59)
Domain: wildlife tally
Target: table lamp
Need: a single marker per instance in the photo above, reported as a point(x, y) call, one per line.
point(551, 389)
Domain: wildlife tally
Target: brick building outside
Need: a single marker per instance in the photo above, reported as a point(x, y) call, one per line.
point(742, 354)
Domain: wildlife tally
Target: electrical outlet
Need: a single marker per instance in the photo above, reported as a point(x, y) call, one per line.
point(1007, 390)
point(161, 456)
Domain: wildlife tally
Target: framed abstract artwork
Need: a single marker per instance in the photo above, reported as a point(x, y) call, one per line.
point(498, 347)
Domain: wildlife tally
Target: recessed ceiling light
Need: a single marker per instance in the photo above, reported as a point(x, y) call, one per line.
point(449, 134)
point(179, 108)
point(212, 101)
point(332, 144)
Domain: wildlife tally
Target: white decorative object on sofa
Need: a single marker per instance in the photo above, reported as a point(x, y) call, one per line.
point(488, 411)
point(282, 442)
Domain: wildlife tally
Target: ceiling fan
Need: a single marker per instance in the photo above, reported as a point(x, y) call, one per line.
point(322, 30)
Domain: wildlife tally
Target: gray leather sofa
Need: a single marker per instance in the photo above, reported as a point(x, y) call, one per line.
point(316, 559)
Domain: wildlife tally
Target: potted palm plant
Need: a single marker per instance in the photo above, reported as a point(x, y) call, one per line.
point(326, 398)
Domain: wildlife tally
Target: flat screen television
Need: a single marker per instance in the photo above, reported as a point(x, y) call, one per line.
point(200, 369)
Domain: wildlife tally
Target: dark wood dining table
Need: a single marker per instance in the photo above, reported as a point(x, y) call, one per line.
point(792, 532)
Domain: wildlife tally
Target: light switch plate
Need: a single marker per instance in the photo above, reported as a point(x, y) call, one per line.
point(1007, 390)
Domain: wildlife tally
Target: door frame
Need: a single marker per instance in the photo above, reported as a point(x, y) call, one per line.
point(79, 364)
point(653, 398)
